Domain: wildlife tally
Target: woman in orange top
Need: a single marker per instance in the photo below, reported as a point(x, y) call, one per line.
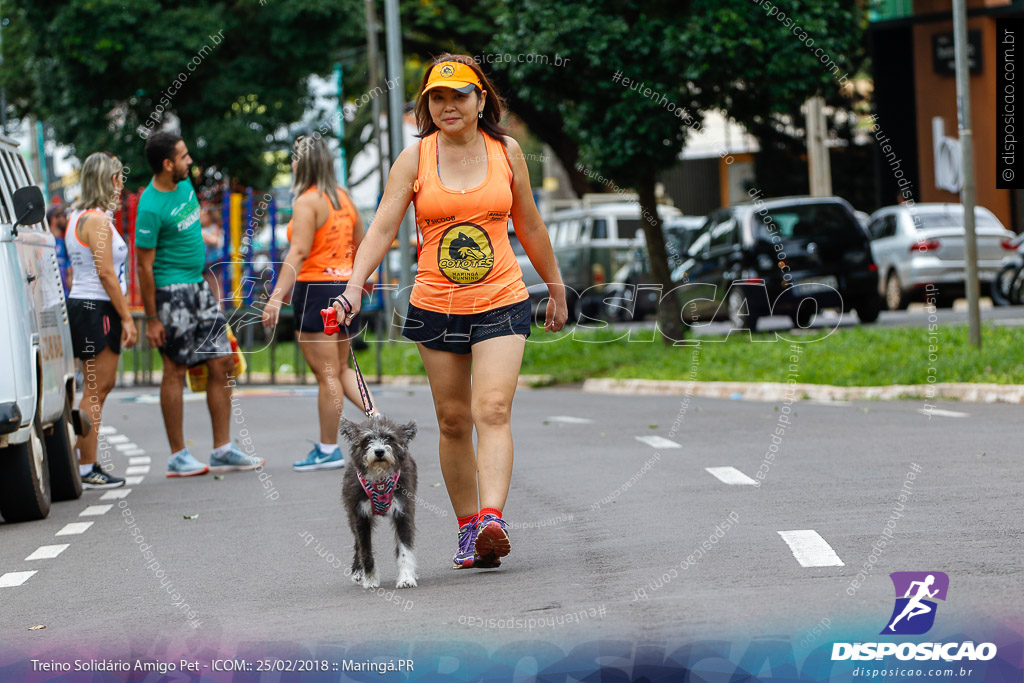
point(319, 264)
point(468, 308)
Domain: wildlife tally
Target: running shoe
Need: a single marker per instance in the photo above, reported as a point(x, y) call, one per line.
point(467, 538)
point(318, 460)
point(98, 479)
point(234, 461)
point(184, 465)
point(492, 537)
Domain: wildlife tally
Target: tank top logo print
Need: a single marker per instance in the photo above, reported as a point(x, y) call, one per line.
point(465, 254)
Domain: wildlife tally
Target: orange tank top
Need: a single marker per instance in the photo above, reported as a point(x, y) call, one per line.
point(466, 264)
point(333, 249)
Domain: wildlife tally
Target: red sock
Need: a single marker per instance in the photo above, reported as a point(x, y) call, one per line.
point(490, 511)
point(463, 521)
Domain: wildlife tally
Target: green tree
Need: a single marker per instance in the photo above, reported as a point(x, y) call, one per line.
point(730, 55)
point(97, 70)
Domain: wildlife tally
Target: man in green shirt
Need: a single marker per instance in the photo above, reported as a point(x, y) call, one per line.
point(183, 317)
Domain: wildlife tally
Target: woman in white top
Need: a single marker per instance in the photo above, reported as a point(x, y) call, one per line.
point(101, 321)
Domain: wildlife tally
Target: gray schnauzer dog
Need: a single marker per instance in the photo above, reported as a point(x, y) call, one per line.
point(381, 484)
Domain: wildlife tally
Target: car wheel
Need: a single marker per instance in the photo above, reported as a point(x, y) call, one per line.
point(1000, 288)
point(740, 315)
point(868, 309)
point(802, 316)
point(65, 480)
point(895, 299)
point(25, 486)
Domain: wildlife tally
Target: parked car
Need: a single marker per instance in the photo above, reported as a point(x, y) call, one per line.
point(591, 242)
point(771, 258)
point(37, 375)
point(924, 244)
point(631, 294)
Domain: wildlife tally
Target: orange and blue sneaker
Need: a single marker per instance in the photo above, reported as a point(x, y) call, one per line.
point(464, 556)
point(492, 540)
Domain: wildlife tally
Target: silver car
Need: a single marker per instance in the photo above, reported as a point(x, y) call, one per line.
point(37, 375)
point(924, 245)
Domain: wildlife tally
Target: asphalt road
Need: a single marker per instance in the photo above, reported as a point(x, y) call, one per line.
point(603, 524)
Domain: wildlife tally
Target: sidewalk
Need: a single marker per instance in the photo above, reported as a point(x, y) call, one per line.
point(777, 391)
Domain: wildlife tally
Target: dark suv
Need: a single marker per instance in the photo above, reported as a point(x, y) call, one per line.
point(789, 256)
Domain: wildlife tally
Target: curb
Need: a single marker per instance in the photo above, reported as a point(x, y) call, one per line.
point(778, 391)
point(127, 379)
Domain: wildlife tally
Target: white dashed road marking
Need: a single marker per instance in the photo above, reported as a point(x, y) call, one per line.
point(133, 481)
point(141, 460)
point(658, 442)
point(107, 429)
point(137, 469)
point(942, 413)
point(95, 510)
point(117, 438)
point(127, 446)
point(115, 494)
point(12, 579)
point(47, 552)
point(810, 549)
point(73, 528)
point(134, 451)
point(730, 475)
point(570, 420)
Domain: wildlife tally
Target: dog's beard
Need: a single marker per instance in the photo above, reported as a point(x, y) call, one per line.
point(379, 469)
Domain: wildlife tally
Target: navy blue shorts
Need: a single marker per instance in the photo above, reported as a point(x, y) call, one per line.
point(457, 333)
point(308, 298)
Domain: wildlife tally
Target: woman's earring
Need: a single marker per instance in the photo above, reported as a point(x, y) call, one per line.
point(480, 115)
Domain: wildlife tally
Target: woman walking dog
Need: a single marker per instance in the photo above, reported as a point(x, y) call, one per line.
point(323, 234)
point(469, 309)
point(98, 312)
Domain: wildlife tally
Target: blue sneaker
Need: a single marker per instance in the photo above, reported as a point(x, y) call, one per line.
point(234, 461)
point(492, 539)
point(317, 460)
point(184, 465)
point(465, 555)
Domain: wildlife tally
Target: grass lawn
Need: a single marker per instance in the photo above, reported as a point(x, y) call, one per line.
point(858, 356)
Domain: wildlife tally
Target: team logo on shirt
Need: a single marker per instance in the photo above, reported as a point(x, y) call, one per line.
point(465, 254)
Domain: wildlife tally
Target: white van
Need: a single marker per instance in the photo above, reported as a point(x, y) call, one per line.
point(592, 242)
point(37, 374)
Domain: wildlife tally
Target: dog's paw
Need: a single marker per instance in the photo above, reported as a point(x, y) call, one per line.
point(406, 582)
point(371, 580)
point(357, 575)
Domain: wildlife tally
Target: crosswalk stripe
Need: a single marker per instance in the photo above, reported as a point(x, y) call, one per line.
point(73, 528)
point(730, 475)
point(106, 429)
point(137, 469)
point(658, 442)
point(134, 451)
point(47, 552)
point(133, 481)
point(567, 419)
point(127, 446)
point(141, 460)
point(115, 494)
point(810, 549)
point(942, 413)
point(12, 579)
point(117, 438)
point(95, 510)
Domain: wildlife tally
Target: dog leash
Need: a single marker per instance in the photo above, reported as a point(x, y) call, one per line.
point(331, 326)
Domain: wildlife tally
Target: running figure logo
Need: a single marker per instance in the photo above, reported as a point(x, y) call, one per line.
point(465, 254)
point(914, 612)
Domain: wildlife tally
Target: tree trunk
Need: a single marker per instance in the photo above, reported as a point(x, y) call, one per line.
point(670, 320)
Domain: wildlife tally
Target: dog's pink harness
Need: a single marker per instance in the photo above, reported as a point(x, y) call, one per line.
point(381, 492)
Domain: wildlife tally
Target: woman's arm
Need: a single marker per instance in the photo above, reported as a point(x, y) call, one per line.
point(303, 232)
point(95, 230)
point(381, 233)
point(533, 235)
